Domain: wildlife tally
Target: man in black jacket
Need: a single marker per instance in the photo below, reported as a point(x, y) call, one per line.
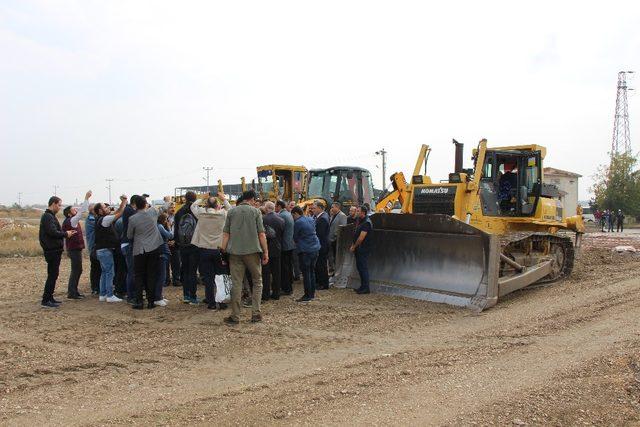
point(51, 240)
point(322, 231)
point(274, 230)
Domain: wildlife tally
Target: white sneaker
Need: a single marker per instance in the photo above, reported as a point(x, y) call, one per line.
point(102, 298)
point(114, 299)
point(164, 299)
point(161, 303)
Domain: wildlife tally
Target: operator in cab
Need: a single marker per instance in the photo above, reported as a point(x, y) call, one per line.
point(508, 181)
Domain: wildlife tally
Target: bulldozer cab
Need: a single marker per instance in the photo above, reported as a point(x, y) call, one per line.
point(281, 182)
point(511, 182)
point(348, 185)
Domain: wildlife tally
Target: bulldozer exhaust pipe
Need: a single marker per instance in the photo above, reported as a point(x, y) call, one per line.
point(459, 156)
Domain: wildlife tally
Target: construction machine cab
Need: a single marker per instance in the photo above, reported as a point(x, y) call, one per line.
point(351, 186)
point(281, 182)
point(511, 181)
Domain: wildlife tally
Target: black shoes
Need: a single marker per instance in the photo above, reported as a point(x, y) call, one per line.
point(256, 318)
point(230, 321)
point(151, 305)
point(361, 291)
point(287, 293)
point(211, 306)
point(304, 299)
point(137, 305)
point(275, 297)
point(49, 304)
point(323, 287)
point(53, 300)
point(222, 306)
point(76, 296)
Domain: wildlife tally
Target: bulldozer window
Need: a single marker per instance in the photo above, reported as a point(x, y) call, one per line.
point(531, 173)
point(487, 172)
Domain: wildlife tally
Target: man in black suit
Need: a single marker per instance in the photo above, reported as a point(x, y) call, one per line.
point(322, 231)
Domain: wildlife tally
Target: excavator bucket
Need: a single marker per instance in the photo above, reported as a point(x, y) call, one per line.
point(430, 257)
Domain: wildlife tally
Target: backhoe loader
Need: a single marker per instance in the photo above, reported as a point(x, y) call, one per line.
point(347, 185)
point(281, 182)
point(469, 240)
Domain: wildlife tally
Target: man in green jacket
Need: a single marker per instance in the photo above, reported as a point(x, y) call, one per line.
point(245, 241)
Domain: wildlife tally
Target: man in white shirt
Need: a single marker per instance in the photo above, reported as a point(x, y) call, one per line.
point(207, 237)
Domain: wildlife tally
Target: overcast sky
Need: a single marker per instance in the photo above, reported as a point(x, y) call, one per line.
point(147, 93)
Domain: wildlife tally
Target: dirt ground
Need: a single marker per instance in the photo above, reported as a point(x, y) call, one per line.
point(560, 354)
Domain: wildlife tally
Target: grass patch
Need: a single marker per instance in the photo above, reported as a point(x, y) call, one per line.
point(20, 242)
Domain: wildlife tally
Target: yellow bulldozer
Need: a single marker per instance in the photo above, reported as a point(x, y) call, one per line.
point(473, 238)
point(284, 182)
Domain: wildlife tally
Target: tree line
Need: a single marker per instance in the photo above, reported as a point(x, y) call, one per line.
point(617, 185)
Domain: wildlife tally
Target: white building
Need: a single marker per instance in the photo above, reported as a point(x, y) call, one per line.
point(567, 183)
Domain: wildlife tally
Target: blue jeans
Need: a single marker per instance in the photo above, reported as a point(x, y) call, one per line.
point(105, 256)
point(362, 255)
point(127, 251)
point(307, 268)
point(163, 262)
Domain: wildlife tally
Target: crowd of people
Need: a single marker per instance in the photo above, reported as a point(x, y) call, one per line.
point(610, 219)
point(136, 250)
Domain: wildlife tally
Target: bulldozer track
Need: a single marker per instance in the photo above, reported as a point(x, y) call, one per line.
point(516, 239)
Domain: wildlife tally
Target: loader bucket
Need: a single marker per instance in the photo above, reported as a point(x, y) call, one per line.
point(429, 257)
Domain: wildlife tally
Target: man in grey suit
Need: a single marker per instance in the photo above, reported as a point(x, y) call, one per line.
point(338, 218)
point(147, 240)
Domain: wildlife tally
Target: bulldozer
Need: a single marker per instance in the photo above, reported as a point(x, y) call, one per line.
point(471, 239)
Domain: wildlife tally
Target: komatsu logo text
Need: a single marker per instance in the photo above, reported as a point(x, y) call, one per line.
point(435, 190)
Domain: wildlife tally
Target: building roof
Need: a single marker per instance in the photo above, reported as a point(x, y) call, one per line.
point(560, 172)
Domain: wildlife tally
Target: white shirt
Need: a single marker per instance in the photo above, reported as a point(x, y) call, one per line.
point(82, 209)
point(108, 220)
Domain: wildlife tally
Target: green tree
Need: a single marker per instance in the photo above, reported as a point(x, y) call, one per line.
point(617, 185)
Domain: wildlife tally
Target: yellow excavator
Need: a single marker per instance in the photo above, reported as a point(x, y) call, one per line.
point(471, 239)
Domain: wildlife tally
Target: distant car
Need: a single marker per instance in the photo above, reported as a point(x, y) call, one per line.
point(587, 214)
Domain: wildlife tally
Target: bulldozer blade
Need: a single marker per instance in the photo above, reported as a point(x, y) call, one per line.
point(429, 257)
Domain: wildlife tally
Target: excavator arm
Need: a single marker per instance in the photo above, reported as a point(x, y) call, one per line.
point(401, 191)
point(400, 187)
